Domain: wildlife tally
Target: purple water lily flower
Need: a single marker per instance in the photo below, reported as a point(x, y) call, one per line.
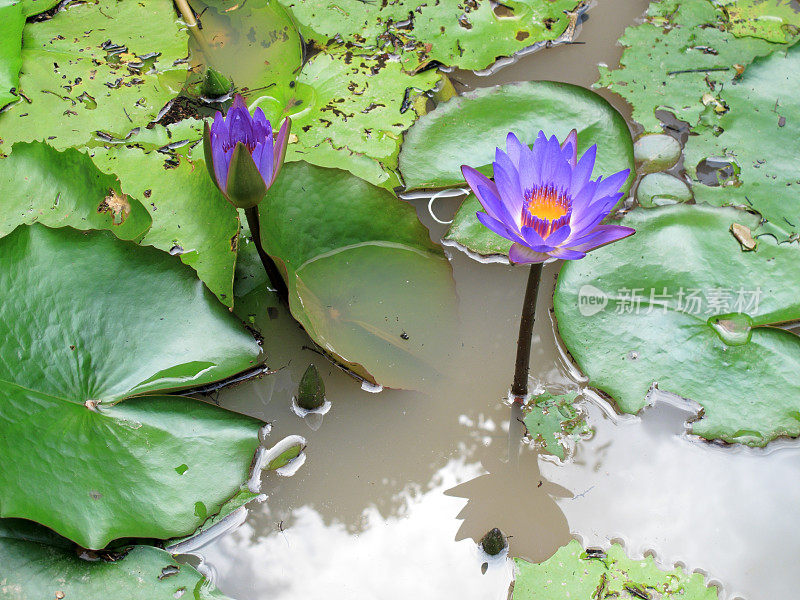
point(543, 199)
point(241, 156)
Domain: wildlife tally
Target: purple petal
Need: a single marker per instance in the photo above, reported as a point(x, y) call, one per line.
point(602, 235)
point(583, 170)
point(552, 159)
point(240, 123)
point(507, 184)
point(515, 148)
point(475, 178)
point(494, 206)
point(566, 254)
point(279, 150)
point(520, 254)
point(262, 156)
point(533, 240)
point(262, 128)
point(558, 236)
point(569, 148)
point(222, 164)
point(530, 166)
point(582, 199)
point(606, 187)
point(593, 215)
point(498, 227)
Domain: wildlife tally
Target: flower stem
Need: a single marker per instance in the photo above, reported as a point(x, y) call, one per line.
point(519, 388)
point(269, 265)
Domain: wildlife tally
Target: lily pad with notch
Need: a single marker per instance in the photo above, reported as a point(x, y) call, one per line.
point(114, 321)
point(683, 305)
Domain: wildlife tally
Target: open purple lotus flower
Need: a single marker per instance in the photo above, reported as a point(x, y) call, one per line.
point(544, 201)
point(241, 156)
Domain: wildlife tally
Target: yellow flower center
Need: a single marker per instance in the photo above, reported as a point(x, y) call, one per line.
point(546, 204)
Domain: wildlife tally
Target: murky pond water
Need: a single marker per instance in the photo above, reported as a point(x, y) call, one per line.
point(397, 486)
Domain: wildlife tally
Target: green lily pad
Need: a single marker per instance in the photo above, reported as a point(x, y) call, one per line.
point(349, 111)
point(94, 67)
point(112, 321)
point(12, 20)
point(35, 7)
point(771, 20)
point(470, 35)
point(191, 217)
point(758, 134)
point(364, 278)
point(602, 575)
point(40, 184)
point(467, 233)
point(550, 418)
point(681, 304)
point(468, 128)
point(679, 59)
point(38, 564)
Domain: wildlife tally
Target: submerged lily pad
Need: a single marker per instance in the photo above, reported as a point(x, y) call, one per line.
point(682, 305)
point(40, 184)
point(468, 128)
point(759, 135)
point(12, 20)
point(190, 216)
point(364, 278)
point(258, 29)
point(94, 67)
point(468, 35)
point(602, 575)
point(38, 564)
point(551, 418)
point(114, 320)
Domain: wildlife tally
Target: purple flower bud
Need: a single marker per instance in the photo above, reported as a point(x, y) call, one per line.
point(241, 156)
point(543, 199)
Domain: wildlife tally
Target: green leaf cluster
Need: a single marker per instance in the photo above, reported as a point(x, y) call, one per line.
point(602, 575)
point(724, 68)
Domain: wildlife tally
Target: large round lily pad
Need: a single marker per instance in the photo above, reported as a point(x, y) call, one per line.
point(87, 321)
point(683, 305)
point(468, 128)
point(364, 278)
point(38, 564)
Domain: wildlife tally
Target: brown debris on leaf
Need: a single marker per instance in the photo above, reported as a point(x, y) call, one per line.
point(744, 236)
point(118, 205)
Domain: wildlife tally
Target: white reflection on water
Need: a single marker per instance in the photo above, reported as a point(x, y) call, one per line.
point(396, 557)
point(728, 512)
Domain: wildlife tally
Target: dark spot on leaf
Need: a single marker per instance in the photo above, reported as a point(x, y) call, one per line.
point(169, 571)
point(522, 35)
